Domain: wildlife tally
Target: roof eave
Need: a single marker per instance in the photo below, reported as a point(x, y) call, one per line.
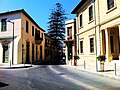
point(78, 6)
point(25, 13)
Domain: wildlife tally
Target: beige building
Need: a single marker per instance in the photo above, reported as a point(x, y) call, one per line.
point(70, 41)
point(98, 29)
point(28, 45)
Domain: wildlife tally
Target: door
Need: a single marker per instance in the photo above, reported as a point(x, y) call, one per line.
point(27, 52)
point(36, 52)
point(5, 53)
point(32, 52)
point(40, 52)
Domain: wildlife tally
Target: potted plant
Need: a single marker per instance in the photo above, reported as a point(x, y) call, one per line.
point(75, 59)
point(101, 58)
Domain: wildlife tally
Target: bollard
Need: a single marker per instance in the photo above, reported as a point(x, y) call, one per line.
point(24, 63)
point(10, 63)
point(31, 63)
point(84, 65)
point(115, 69)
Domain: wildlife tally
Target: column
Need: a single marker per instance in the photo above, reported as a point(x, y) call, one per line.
point(107, 37)
point(101, 43)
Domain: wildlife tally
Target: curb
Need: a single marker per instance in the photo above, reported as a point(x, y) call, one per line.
point(97, 73)
point(16, 66)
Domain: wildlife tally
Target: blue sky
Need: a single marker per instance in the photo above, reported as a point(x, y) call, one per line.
point(39, 10)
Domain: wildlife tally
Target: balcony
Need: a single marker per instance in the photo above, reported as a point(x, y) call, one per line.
point(69, 37)
point(38, 39)
point(69, 42)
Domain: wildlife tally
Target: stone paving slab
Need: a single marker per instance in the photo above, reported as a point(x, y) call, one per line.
point(108, 72)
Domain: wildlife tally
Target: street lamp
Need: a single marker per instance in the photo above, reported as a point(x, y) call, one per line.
point(13, 41)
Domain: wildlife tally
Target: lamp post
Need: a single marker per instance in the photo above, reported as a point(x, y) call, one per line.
point(13, 42)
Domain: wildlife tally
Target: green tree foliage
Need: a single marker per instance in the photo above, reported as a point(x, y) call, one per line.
point(56, 28)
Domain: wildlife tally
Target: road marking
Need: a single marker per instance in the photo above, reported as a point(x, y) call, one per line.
point(74, 80)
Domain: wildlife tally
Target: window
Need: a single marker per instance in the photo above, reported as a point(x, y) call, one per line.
point(91, 45)
point(32, 30)
point(81, 20)
point(90, 13)
point(69, 32)
point(38, 33)
point(110, 4)
point(3, 25)
point(81, 46)
point(42, 35)
point(27, 25)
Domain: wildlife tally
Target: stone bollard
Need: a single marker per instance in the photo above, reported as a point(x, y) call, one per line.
point(10, 63)
point(84, 65)
point(115, 69)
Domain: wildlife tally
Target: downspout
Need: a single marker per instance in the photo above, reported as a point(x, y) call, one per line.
point(99, 28)
point(75, 48)
point(95, 36)
point(77, 36)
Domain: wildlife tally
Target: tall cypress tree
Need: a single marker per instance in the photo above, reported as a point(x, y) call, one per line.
point(56, 28)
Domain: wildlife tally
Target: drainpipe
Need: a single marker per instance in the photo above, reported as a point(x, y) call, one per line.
point(95, 36)
point(77, 36)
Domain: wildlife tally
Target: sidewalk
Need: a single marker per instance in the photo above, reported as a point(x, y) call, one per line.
point(109, 69)
point(7, 66)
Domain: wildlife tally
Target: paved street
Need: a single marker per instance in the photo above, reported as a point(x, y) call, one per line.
point(54, 77)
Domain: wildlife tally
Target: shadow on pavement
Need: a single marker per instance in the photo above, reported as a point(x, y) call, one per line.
point(106, 70)
point(17, 67)
point(3, 84)
point(55, 61)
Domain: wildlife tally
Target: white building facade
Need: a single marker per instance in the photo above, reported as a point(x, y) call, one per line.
point(70, 41)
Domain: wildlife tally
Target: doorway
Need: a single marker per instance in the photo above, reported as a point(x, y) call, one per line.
point(36, 52)
point(32, 52)
point(5, 53)
point(40, 52)
point(27, 52)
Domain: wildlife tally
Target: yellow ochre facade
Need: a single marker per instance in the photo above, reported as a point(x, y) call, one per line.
point(98, 29)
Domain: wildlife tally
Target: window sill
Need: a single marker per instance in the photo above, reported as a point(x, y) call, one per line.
point(92, 54)
point(90, 21)
point(110, 10)
point(81, 53)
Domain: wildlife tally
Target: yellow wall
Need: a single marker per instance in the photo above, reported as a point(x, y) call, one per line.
point(27, 37)
point(86, 32)
point(108, 19)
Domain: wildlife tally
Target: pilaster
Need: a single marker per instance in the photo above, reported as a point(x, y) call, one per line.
point(107, 37)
